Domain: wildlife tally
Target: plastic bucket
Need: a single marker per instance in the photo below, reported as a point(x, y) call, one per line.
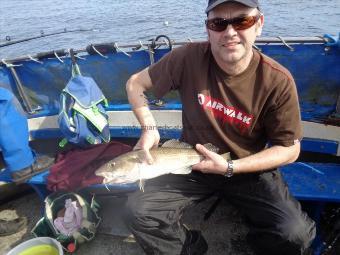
point(38, 246)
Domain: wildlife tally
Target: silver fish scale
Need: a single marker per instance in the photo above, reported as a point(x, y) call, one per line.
point(190, 156)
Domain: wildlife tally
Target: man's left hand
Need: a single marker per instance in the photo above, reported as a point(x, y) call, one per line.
point(213, 162)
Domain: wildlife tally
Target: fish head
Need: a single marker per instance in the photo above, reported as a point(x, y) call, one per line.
point(119, 170)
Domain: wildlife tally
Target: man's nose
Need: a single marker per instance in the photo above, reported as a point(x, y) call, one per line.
point(229, 31)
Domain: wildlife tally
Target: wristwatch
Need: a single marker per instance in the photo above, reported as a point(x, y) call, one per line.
point(230, 169)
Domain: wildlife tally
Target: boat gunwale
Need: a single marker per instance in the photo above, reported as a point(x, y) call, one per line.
point(285, 41)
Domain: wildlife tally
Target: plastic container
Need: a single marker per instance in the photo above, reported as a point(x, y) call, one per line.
point(38, 246)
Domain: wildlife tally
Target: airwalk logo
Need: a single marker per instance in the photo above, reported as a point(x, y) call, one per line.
point(226, 113)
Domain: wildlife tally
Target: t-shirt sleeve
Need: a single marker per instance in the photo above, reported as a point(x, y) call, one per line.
point(283, 121)
point(166, 74)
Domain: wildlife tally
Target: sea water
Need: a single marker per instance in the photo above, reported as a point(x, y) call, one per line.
point(128, 21)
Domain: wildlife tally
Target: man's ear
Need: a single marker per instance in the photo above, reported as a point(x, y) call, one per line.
point(259, 25)
point(206, 29)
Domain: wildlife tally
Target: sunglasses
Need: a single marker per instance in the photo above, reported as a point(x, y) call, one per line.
point(240, 23)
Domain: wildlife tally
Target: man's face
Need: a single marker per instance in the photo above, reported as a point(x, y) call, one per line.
point(232, 47)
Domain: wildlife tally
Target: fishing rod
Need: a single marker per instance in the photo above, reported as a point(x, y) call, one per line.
point(42, 34)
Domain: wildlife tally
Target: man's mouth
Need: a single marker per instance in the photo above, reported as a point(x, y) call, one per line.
point(230, 44)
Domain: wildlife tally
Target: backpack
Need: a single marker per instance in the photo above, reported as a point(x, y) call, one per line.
point(82, 118)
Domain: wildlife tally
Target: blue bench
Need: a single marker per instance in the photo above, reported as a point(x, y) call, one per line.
point(313, 181)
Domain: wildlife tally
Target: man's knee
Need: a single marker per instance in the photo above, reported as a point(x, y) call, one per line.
point(132, 208)
point(300, 231)
point(293, 236)
point(139, 212)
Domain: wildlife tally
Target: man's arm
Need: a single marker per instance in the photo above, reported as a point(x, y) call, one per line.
point(135, 88)
point(269, 158)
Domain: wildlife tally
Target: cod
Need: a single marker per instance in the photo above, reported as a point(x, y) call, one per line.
point(173, 157)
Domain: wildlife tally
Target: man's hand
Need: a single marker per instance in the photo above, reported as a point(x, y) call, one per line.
point(213, 163)
point(149, 139)
point(266, 159)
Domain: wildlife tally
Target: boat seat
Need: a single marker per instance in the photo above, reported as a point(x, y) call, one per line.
point(313, 181)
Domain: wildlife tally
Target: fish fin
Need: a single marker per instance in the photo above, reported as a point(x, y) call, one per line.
point(226, 156)
point(185, 170)
point(211, 147)
point(174, 143)
point(141, 184)
point(106, 187)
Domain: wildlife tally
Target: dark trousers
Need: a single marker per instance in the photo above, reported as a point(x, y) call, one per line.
point(277, 225)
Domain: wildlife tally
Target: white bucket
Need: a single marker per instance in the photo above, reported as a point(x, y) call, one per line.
point(38, 246)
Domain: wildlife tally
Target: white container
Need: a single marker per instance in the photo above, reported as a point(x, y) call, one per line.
point(38, 246)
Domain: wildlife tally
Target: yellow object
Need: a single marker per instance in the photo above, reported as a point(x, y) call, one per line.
point(43, 249)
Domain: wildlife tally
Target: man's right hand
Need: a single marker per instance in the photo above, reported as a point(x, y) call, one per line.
point(148, 140)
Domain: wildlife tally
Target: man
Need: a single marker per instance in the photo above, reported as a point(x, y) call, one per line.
point(18, 157)
point(241, 101)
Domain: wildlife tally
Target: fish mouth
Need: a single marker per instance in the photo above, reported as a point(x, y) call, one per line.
point(98, 173)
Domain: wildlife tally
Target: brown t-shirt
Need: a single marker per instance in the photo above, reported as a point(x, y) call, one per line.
point(240, 114)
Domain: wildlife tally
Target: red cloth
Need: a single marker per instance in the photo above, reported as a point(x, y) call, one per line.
point(76, 168)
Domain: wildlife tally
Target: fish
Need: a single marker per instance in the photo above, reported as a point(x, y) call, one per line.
point(173, 157)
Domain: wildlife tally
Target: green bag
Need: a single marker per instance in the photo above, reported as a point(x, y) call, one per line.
point(56, 202)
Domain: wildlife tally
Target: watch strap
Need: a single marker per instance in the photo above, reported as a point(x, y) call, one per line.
point(230, 169)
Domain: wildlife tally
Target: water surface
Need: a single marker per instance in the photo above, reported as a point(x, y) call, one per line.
point(125, 21)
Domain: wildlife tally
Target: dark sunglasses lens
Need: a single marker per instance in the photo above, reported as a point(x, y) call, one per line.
point(244, 23)
point(216, 25)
